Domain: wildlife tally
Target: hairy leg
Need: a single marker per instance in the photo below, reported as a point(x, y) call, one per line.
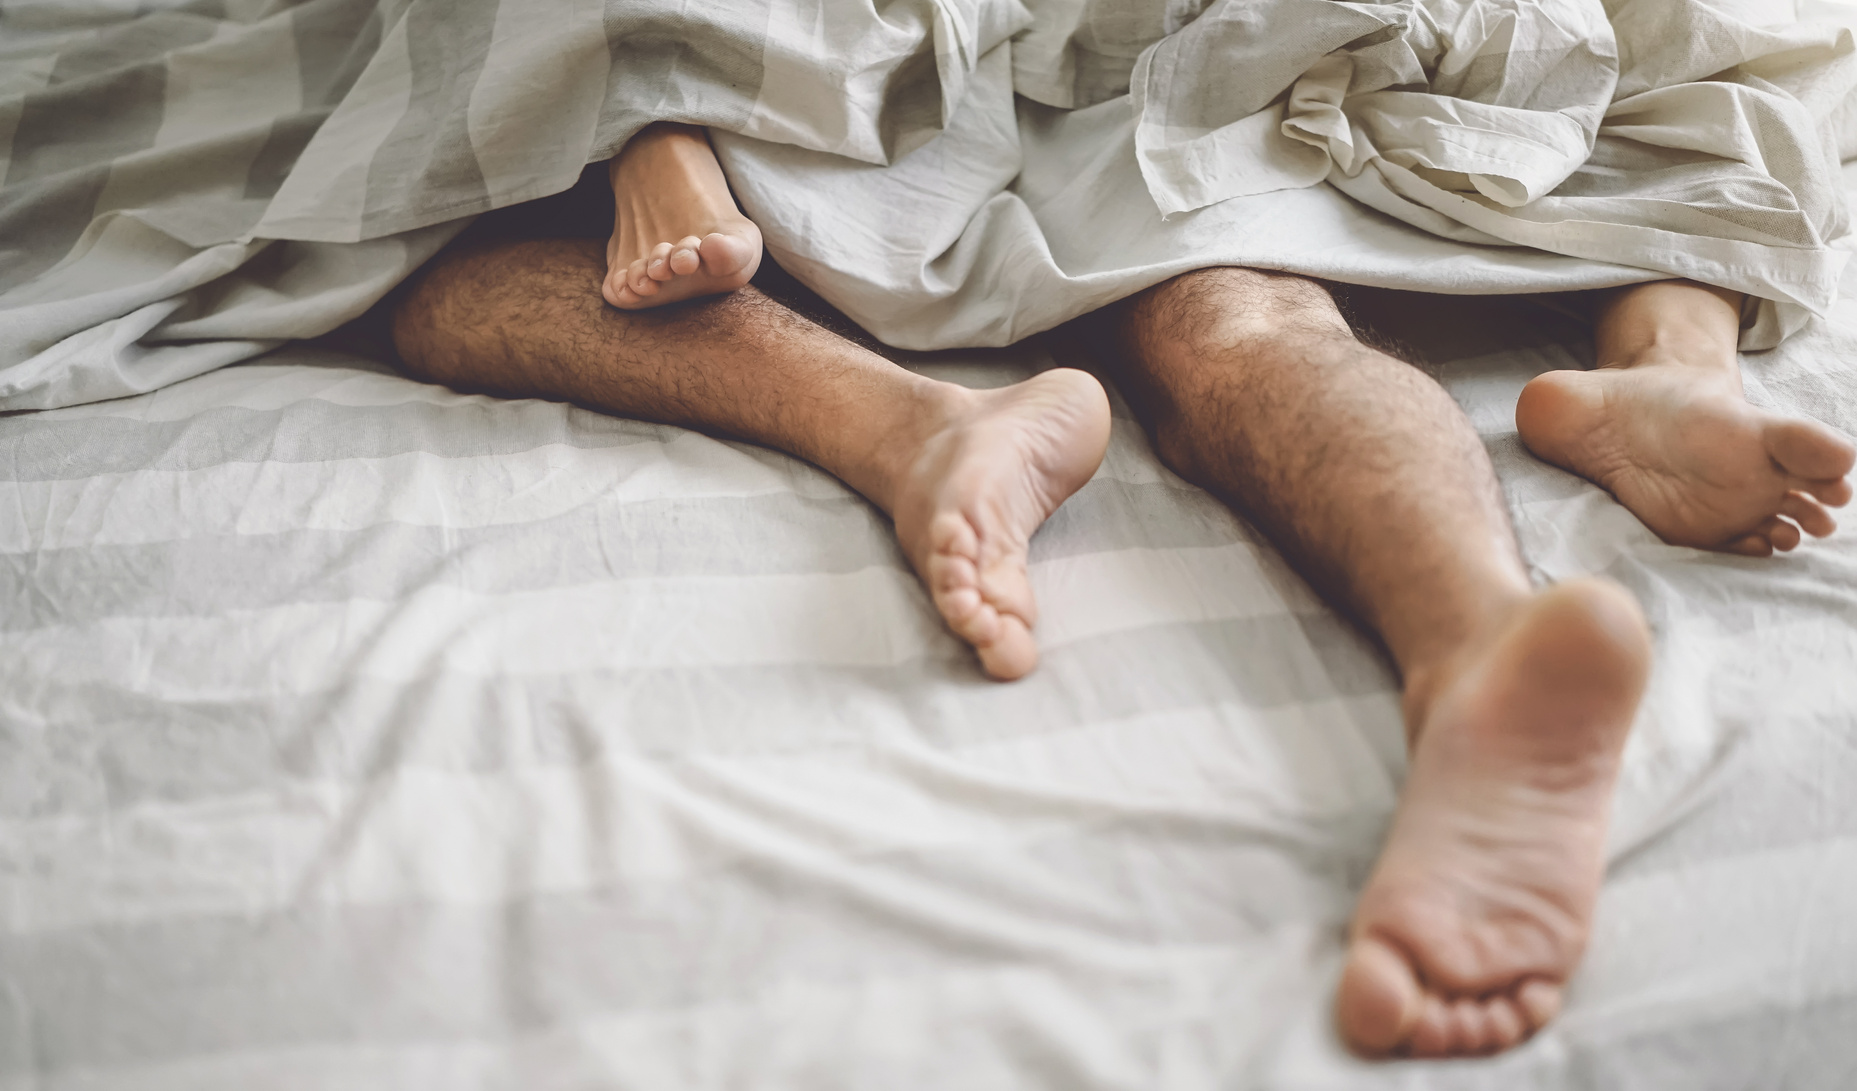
point(967, 475)
point(1661, 424)
point(676, 231)
point(1517, 702)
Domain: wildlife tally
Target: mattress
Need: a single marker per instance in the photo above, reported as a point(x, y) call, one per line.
point(355, 733)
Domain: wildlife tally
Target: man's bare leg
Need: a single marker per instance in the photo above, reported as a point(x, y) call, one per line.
point(676, 231)
point(1517, 702)
point(967, 475)
point(1662, 426)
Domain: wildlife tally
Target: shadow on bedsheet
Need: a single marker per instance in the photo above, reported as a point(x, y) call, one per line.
point(1429, 331)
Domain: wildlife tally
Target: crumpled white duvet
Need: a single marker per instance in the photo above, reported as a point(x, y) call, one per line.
point(182, 190)
point(1643, 138)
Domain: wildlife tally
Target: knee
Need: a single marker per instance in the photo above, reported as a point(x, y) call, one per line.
point(1264, 285)
point(1229, 304)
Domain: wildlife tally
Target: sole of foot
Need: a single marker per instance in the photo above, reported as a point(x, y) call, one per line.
point(982, 484)
point(676, 231)
point(1479, 908)
point(1684, 452)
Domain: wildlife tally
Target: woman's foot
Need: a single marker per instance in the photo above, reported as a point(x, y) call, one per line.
point(1663, 427)
point(1479, 908)
point(676, 231)
point(987, 475)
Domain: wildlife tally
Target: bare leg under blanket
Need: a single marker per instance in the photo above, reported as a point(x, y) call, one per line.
point(1517, 702)
point(967, 475)
point(1662, 425)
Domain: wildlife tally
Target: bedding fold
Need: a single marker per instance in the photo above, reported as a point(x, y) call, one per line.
point(190, 184)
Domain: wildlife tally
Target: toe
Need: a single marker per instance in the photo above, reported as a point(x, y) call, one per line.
point(951, 572)
point(1783, 535)
point(951, 533)
point(639, 281)
point(1835, 492)
point(1470, 1027)
point(1012, 653)
point(1750, 545)
point(958, 605)
point(1507, 1025)
point(1539, 1002)
point(658, 265)
point(684, 258)
point(1810, 450)
point(955, 589)
point(1809, 514)
point(1431, 1035)
point(980, 625)
point(727, 255)
point(1008, 586)
point(972, 618)
point(1379, 1002)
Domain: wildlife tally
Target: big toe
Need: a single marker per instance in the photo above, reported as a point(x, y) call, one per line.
point(1378, 1004)
point(1809, 449)
point(727, 255)
point(1013, 653)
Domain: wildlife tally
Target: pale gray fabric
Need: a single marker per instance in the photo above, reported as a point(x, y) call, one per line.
point(184, 185)
point(359, 734)
point(1481, 146)
point(187, 184)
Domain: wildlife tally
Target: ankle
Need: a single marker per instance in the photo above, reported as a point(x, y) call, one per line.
point(1693, 351)
point(1669, 323)
point(888, 452)
point(667, 134)
point(665, 156)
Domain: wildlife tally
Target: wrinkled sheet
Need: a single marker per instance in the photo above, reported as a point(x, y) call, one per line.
point(1468, 146)
point(358, 734)
point(187, 184)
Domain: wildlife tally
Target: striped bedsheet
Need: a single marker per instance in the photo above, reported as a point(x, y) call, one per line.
point(359, 734)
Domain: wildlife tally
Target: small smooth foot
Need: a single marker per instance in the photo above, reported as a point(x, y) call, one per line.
point(1684, 452)
point(1479, 908)
point(982, 484)
point(676, 231)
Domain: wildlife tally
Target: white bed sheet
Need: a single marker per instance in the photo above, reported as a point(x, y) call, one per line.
point(355, 733)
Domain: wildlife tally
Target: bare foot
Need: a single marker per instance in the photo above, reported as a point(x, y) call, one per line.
point(676, 231)
point(1479, 908)
point(985, 480)
point(1679, 446)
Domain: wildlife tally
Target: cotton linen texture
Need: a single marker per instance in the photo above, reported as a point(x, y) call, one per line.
point(188, 185)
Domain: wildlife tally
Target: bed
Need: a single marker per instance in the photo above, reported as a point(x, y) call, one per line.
point(356, 733)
